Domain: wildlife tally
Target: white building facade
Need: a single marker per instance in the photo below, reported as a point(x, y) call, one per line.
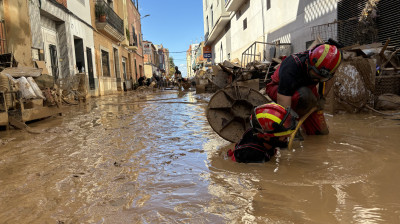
point(232, 26)
point(82, 35)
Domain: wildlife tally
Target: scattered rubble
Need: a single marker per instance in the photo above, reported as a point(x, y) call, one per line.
point(366, 73)
point(28, 94)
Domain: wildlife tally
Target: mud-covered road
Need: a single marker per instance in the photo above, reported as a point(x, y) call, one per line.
point(153, 158)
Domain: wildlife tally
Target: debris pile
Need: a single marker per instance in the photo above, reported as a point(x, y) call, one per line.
point(26, 94)
point(366, 73)
point(219, 76)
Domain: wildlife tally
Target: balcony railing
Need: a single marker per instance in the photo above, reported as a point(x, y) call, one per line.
point(133, 41)
point(233, 5)
point(102, 8)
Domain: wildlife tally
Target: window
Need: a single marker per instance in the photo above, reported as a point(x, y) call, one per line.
point(207, 24)
point(105, 63)
point(212, 16)
point(136, 75)
point(245, 24)
point(268, 4)
point(228, 26)
point(222, 54)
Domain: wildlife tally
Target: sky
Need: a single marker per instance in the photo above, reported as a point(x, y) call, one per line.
point(173, 23)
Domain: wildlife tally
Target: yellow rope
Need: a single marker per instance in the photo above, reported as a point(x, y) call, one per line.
point(290, 145)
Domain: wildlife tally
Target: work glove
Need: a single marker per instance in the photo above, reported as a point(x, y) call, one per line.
point(321, 103)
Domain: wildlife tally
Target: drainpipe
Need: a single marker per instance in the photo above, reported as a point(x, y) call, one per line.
point(263, 20)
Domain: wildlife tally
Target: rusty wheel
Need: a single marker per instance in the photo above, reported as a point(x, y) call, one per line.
point(229, 110)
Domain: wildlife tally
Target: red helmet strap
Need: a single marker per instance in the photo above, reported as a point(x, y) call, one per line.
point(323, 72)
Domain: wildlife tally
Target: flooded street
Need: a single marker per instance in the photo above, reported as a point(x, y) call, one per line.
point(155, 159)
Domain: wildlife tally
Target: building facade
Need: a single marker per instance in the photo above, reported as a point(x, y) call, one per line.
point(150, 59)
point(232, 26)
point(100, 38)
point(133, 41)
point(166, 62)
point(191, 59)
point(83, 42)
point(109, 52)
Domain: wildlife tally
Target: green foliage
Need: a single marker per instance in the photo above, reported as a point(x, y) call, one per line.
point(171, 66)
point(100, 9)
point(128, 34)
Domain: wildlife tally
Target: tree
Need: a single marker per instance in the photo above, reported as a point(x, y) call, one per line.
point(171, 67)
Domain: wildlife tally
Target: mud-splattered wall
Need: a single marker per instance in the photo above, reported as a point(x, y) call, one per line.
point(16, 18)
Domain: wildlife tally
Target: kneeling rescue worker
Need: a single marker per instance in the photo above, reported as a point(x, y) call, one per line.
point(271, 124)
point(294, 84)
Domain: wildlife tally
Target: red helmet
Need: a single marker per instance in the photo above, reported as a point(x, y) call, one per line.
point(325, 59)
point(273, 120)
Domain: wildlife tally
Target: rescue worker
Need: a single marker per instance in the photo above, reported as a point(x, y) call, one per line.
point(271, 124)
point(294, 84)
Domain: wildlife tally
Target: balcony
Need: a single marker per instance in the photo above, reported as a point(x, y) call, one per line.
point(233, 5)
point(108, 22)
point(133, 42)
point(219, 27)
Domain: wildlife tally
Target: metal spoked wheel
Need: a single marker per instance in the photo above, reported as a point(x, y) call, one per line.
point(229, 110)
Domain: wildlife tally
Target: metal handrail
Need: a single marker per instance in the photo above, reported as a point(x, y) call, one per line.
point(251, 53)
point(112, 18)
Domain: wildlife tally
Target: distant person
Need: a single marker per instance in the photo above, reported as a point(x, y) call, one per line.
point(178, 74)
point(141, 80)
point(178, 77)
point(271, 124)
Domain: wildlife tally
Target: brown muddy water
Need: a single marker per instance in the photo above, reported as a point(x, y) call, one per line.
point(155, 159)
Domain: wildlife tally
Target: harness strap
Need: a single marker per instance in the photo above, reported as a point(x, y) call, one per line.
point(298, 62)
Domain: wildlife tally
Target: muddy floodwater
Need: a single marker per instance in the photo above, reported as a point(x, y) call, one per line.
point(153, 158)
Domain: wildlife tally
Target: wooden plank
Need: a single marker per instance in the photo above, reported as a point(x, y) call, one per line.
point(42, 65)
point(384, 49)
point(389, 60)
point(38, 113)
point(225, 69)
point(22, 71)
point(277, 60)
point(3, 118)
point(21, 125)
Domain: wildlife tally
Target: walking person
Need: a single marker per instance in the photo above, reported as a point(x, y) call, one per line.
point(178, 78)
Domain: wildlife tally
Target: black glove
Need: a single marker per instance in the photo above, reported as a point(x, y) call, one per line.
point(321, 103)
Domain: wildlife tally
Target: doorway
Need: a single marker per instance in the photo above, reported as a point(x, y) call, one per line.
point(90, 68)
point(116, 68)
point(53, 60)
point(124, 68)
point(50, 52)
point(79, 55)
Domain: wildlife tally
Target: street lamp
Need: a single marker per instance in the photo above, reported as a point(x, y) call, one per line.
point(142, 17)
point(145, 16)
